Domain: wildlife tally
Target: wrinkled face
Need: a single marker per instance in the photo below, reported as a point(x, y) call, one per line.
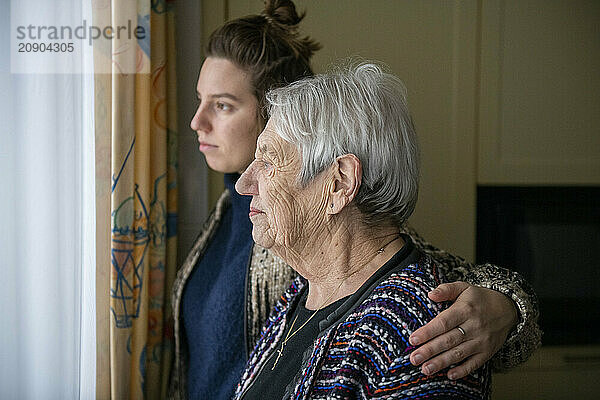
point(226, 120)
point(283, 213)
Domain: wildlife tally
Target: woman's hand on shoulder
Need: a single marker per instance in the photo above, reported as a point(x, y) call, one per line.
point(465, 335)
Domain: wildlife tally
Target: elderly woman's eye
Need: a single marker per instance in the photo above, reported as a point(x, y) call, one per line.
point(266, 165)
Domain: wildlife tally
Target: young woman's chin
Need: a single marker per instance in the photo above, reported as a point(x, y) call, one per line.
point(217, 164)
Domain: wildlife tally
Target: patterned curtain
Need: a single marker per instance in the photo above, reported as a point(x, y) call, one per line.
point(135, 117)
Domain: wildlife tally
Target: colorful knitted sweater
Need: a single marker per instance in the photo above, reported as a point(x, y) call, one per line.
point(268, 276)
point(363, 350)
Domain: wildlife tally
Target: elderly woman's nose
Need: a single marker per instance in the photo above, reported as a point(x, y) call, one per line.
point(246, 184)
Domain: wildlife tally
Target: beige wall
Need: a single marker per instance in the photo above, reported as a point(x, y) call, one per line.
point(540, 93)
point(198, 185)
point(192, 171)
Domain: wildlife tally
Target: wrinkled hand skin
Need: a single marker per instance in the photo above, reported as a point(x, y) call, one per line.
point(486, 316)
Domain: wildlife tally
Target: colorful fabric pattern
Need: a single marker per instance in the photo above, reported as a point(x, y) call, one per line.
point(527, 337)
point(138, 112)
point(521, 344)
point(367, 354)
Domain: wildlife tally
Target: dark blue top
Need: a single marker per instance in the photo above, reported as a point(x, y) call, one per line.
point(213, 305)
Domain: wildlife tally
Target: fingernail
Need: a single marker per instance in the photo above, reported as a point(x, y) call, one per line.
point(435, 291)
point(426, 369)
point(414, 340)
point(418, 359)
point(452, 375)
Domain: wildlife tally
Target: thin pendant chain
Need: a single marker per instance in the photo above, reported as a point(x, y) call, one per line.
point(291, 334)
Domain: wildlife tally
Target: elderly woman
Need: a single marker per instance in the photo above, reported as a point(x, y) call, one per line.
point(334, 178)
point(213, 337)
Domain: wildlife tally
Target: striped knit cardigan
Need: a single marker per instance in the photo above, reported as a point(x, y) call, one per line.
point(269, 276)
point(364, 351)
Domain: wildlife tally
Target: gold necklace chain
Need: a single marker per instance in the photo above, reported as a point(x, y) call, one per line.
point(290, 334)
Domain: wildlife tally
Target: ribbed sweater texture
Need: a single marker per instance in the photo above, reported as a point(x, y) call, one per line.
point(213, 305)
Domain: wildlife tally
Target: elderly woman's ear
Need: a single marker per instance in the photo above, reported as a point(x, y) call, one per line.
point(347, 178)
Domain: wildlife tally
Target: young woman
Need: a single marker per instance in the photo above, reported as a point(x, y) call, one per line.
point(227, 286)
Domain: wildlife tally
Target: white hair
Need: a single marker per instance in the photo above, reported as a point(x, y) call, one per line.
point(362, 110)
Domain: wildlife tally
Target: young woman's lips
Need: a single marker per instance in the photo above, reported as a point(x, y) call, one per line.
point(206, 147)
point(253, 212)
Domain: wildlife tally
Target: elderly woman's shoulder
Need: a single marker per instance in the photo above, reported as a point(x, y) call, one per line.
point(417, 278)
point(373, 340)
point(400, 302)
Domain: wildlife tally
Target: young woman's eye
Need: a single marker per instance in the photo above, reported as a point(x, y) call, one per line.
point(222, 106)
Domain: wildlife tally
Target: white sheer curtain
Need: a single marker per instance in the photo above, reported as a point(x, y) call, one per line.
point(47, 346)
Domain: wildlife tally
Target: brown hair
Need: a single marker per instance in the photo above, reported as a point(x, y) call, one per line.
point(267, 46)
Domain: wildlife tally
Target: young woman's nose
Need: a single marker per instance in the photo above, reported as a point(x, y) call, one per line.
point(200, 120)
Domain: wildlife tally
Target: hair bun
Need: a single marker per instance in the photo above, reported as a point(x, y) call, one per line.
point(281, 12)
